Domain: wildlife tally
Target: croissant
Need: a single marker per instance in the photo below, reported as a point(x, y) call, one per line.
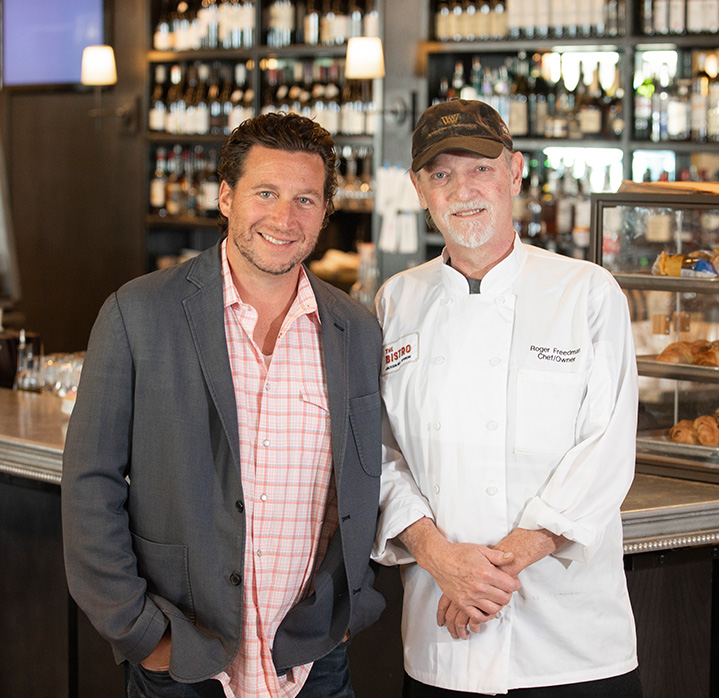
point(677, 353)
point(683, 432)
point(707, 430)
point(708, 357)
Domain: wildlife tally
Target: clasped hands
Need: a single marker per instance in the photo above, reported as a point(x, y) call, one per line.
point(477, 582)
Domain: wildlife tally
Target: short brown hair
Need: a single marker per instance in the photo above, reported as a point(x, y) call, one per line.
point(280, 131)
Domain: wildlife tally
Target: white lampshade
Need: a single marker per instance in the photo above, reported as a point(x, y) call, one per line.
point(365, 59)
point(98, 66)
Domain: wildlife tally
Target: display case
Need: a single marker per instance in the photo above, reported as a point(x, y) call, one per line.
point(661, 243)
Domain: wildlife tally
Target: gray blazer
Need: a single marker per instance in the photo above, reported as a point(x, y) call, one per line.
point(152, 504)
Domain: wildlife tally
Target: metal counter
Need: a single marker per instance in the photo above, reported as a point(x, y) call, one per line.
point(658, 513)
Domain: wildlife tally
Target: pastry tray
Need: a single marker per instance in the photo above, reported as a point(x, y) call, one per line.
point(658, 442)
point(647, 365)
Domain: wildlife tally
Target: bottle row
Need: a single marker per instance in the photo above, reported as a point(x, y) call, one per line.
point(482, 20)
point(184, 181)
point(672, 107)
point(533, 105)
point(213, 98)
point(230, 24)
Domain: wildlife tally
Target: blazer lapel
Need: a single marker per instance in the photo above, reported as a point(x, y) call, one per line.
point(205, 314)
point(335, 346)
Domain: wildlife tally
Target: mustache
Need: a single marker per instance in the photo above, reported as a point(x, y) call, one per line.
point(468, 206)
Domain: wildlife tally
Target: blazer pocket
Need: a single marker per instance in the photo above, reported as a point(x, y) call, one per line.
point(165, 568)
point(366, 423)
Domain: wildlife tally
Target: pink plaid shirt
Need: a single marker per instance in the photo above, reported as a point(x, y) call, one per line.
point(290, 499)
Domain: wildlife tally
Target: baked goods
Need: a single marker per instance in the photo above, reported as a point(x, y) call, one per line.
point(707, 430)
point(702, 431)
point(683, 432)
point(700, 352)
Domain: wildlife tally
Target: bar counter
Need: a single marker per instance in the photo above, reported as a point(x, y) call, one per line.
point(671, 532)
point(658, 513)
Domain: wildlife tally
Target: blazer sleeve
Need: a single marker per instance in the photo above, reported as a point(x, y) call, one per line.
point(100, 563)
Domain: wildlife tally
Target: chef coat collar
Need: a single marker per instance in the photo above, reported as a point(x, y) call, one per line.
point(496, 280)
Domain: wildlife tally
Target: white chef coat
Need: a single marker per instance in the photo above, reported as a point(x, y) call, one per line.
point(514, 407)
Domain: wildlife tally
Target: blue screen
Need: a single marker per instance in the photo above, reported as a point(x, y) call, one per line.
point(43, 39)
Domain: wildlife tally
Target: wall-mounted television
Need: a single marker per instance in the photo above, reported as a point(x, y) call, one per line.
point(42, 40)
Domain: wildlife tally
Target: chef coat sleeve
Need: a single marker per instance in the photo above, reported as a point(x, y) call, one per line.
point(587, 487)
point(401, 502)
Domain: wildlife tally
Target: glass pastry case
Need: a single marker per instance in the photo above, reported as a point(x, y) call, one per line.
point(661, 243)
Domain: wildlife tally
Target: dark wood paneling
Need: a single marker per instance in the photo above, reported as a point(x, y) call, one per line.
point(77, 190)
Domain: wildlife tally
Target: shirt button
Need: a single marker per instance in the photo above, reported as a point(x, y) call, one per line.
point(259, 553)
point(491, 490)
point(438, 360)
point(266, 442)
point(495, 361)
point(267, 386)
point(492, 426)
point(263, 497)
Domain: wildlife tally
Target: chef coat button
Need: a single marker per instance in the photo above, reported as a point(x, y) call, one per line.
point(499, 300)
point(491, 490)
point(495, 361)
point(235, 579)
point(239, 506)
point(436, 489)
point(263, 497)
point(446, 301)
point(266, 442)
point(438, 360)
point(437, 426)
point(492, 426)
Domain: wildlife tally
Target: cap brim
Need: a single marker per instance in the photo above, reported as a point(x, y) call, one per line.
point(486, 147)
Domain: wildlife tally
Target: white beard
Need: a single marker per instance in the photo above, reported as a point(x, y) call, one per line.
point(471, 235)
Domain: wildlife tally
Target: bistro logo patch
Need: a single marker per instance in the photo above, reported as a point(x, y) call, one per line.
point(554, 354)
point(400, 352)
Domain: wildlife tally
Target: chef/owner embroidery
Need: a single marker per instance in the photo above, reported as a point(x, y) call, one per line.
point(562, 356)
point(400, 352)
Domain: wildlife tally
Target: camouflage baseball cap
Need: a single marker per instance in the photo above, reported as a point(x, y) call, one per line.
point(459, 124)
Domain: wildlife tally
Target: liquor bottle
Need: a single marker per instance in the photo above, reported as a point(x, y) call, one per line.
point(163, 38)
point(699, 97)
point(202, 107)
point(312, 24)
point(327, 19)
point(237, 112)
point(538, 98)
point(173, 187)
point(563, 113)
point(679, 111)
point(695, 16)
point(542, 18)
point(215, 100)
point(365, 288)
point(466, 30)
point(578, 99)
point(660, 101)
point(643, 103)
point(371, 19)
point(280, 23)
point(484, 21)
point(244, 34)
point(591, 108)
point(455, 20)
point(612, 18)
point(519, 98)
point(188, 185)
point(647, 17)
point(598, 20)
point(677, 16)
point(190, 99)
point(441, 21)
point(712, 98)
point(355, 19)
point(455, 89)
point(207, 18)
point(614, 119)
point(209, 188)
point(660, 12)
point(158, 183)
point(175, 117)
point(158, 107)
point(339, 24)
